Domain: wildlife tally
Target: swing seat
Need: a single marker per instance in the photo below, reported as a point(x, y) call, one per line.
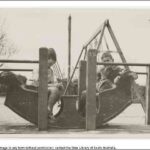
point(111, 102)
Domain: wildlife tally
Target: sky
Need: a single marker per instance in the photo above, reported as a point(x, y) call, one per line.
point(32, 28)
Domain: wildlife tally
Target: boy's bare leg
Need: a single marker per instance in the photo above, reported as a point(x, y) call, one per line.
point(54, 96)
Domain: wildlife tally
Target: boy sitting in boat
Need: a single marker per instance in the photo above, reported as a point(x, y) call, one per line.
point(55, 89)
point(108, 75)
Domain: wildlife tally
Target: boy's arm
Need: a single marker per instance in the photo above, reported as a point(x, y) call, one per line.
point(34, 80)
point(122, 71)
point(57, 85)
point(50, 76)
point(98, 76)
point(119, 70)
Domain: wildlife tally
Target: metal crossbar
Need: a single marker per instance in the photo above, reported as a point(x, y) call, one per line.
point(18, 61)
point(125, 64)
point(141, 73)
point(15, 69)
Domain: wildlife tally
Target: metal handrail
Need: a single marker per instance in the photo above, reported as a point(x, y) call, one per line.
point(125, 64)
point(18, 61)
point(3, 69)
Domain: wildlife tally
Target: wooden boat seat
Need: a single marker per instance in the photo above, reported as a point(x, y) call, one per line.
point(111, 102)
point(23, 100)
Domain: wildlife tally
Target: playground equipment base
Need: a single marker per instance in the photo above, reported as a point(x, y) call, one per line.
point(24, 102)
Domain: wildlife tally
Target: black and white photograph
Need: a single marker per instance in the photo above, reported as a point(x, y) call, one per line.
point(75, 72)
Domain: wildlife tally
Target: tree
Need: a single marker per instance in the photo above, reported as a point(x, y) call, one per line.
point(7, 48)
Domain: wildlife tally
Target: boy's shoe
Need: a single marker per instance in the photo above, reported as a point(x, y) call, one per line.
point(52, 119)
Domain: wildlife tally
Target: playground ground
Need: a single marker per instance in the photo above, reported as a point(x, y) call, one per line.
point(130, 123)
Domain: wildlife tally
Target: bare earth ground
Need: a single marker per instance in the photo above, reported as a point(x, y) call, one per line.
point(130, 123)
